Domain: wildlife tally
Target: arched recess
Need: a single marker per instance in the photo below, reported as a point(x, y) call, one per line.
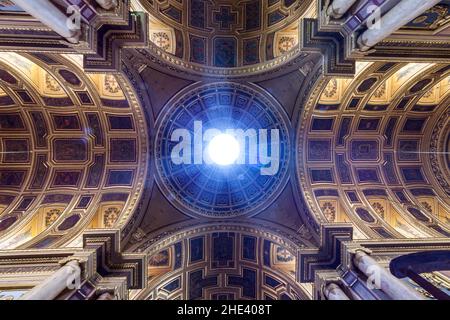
point(221, 37)
point(222, 262)
point(372, 150)
point(74, 148)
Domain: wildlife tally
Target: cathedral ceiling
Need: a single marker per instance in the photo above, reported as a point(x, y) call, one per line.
point(222, 263)
point(225, 34)
point(190, 192)
point(374, 150)
point(81, 150)
point(73, 150)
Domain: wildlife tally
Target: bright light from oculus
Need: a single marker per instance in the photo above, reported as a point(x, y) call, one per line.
point(223, 149)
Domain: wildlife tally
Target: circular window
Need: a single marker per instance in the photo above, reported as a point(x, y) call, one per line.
point(198, 163)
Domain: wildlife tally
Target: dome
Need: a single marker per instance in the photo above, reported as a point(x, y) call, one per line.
point(211, 190)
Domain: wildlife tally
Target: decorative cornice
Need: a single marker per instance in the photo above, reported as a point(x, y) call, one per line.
point(110, 39)
point(102, 40)
point(330, 44)
point(438, 139)
point(176, 64)
point(410, 50)
point(328, 255)
point(111, 262)
point(278, 234)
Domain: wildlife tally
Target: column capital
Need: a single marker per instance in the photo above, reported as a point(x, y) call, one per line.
point(361, 254)
point(330, 287)
point(354, 250)
point(107, 4)
point(333, 291)
point(356, 254)
point(107, 294)
point(338, 8)
point(67, 260)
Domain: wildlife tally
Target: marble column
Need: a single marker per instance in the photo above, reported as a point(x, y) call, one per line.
point(339, 7)
point(404, 12)
point(389, 284)
point(47, 13)
point(51, 287)
point(107, 4)
point(333, 292)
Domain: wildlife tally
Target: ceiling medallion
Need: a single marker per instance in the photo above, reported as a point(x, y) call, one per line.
point(250, 170)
